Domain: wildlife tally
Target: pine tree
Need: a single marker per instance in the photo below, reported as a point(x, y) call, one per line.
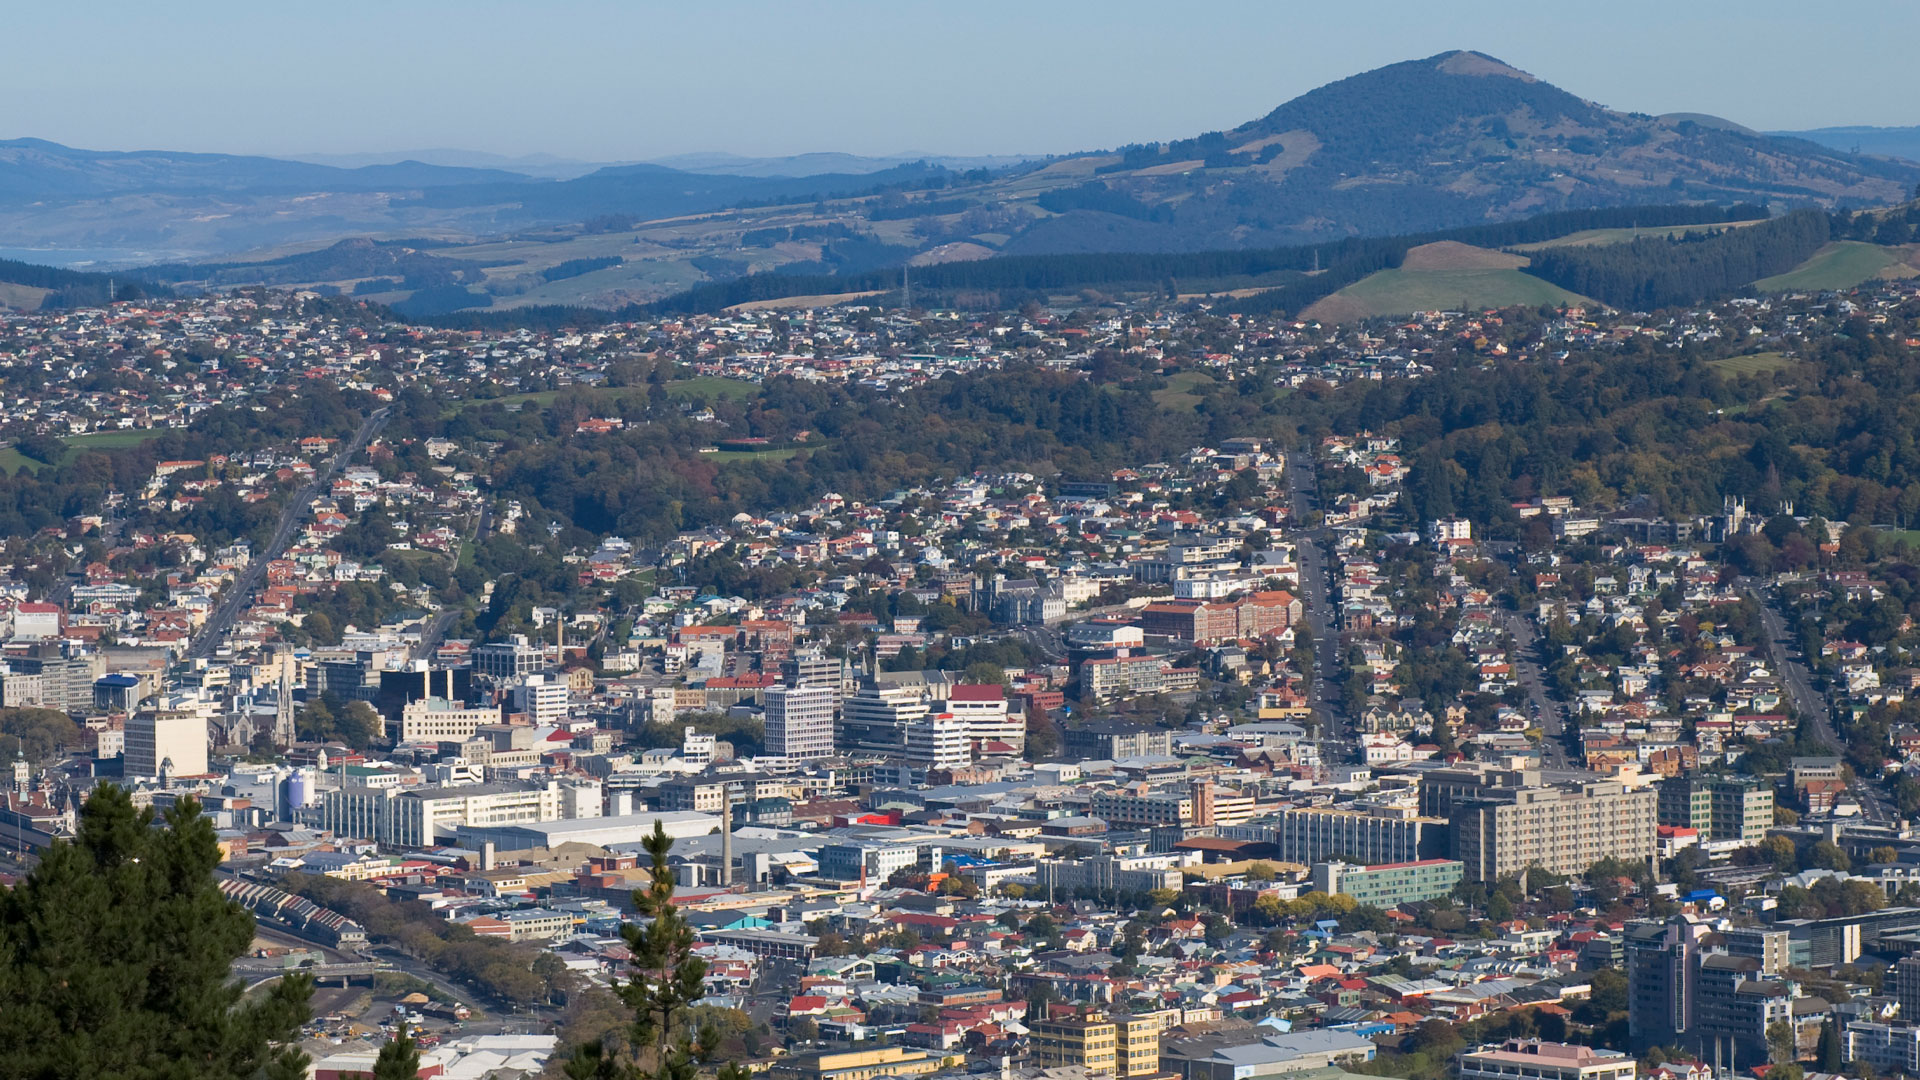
point(667, 979)
point(288, 1063)
point(116, 954)
point(399, 1059)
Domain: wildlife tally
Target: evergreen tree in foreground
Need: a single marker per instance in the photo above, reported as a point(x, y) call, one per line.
point(116, 953)
point(667, 980)
point(399, 1059)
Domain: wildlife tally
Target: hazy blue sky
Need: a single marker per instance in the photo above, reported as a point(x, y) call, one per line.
point(610, 80)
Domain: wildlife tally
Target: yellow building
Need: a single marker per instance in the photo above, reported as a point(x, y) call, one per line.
point(1085, 1041)
point(1137, 1040)
point(859, 1064)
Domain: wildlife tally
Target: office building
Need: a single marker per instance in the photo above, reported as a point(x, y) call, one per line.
point(1734, 1002)
point(811, 667)
point(983, 709)
point(800, 721)
point(1388, 884)
point(1110, 873)
point(1137, 805)
point(1889, 1048)
point(514, 658)
point(166, 743)
point(543, 698)
point(875, 719)
point(437, 719)
point(938, 741)
point(871, 860)
point(1090, 1043)
point(1531, 1059)
point(422, 817)
point(1110, 741)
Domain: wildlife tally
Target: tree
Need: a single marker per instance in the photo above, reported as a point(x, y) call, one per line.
point(399, 1059)
point(667, 979)
point(1780, 1041)
point(116, 955)
point(1828, 1056)
point(1260, 871)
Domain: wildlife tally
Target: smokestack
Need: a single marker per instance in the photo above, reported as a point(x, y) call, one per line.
point(726, 835)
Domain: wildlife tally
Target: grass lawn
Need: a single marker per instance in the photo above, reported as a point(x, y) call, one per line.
point(1183, 391)
point(1839, 265)
point(1749, 365)
point(1402, 292)
point(13, 460)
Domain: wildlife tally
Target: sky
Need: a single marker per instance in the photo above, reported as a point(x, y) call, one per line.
point(600, 80)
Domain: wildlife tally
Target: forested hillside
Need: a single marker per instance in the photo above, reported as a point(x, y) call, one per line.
point(649, 480)
point(1657, 272)
point(1832, 433)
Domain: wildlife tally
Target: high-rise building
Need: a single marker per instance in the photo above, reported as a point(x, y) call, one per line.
point(1771, 947)
point(173, 743)
point(1662, 961)
point(1906, 985)
point(800, 721)
point(543, 698)
point(875, 719)
point(1721, 808)
point(938, 741)
point(1734, 1003)
point(1564, 829)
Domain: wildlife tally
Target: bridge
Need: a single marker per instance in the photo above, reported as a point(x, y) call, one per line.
point(346, 973)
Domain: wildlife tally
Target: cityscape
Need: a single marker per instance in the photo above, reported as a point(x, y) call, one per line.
point(976, 618)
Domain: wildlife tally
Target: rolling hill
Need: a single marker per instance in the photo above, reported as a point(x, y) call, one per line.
point(1456, 139)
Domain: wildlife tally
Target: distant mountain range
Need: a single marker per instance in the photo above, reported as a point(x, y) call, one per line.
point(1452, 140)
point(1897, 142)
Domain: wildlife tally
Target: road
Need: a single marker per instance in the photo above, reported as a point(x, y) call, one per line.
point(241, 592)
point(1875, 807)
point(1316, 593)
point(1551, 714)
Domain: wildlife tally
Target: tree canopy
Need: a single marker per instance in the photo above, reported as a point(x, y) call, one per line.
point(115, 954)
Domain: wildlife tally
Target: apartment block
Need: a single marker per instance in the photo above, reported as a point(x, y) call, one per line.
point(1565, 829)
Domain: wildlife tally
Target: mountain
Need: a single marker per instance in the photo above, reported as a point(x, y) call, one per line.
point(1895, 142)
point(1449, 140)
point(828, 162)
point(1453, 140)
point(35, 170)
